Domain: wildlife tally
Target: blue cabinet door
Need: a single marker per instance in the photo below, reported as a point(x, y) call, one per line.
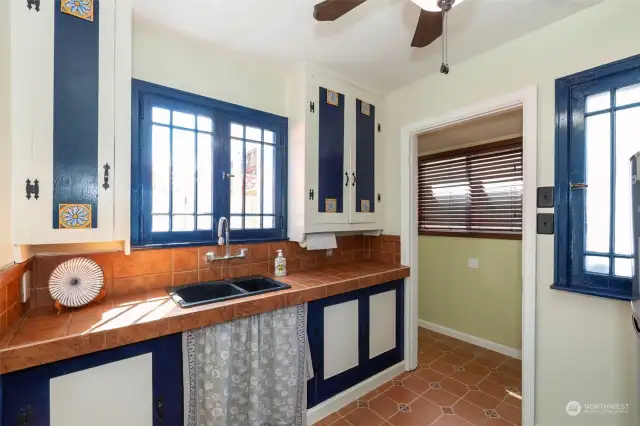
point(25, 394)
point(364, 180)
point(321, 387)
point(331, 173)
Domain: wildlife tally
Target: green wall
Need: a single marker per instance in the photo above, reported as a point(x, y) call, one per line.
point(484, 302)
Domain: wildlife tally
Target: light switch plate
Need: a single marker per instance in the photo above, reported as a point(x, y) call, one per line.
point(545, 196)
point(473, 263)
point(545, 223)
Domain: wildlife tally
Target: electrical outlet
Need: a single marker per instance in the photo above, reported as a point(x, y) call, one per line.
point(473, 263)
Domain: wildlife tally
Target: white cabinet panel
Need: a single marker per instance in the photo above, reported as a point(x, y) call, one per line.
point(119, 393)
point(340, 338)
point(382, 323)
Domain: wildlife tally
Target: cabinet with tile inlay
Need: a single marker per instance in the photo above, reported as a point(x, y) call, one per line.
point(354, 336)
point(135, 385)
point(63, 115)
point(334, 155)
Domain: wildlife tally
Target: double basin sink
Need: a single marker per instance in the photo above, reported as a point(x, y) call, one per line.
point(218, 291)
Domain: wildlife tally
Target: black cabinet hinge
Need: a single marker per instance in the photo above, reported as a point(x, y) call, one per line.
point(379, 128)
point(33, 189)
point(379, 197)
point(312, 107)
point(311, 194)
point(32, 3)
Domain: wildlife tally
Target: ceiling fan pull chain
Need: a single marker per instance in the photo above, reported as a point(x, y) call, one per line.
point(444, 68)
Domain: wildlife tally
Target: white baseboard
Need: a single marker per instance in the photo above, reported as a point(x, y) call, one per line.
point(332, 405)
point(487, 344)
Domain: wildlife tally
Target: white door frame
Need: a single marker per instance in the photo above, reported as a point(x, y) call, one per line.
point(526, 98)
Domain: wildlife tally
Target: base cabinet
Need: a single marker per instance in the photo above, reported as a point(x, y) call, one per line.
point(135, 385)
point(354, 336)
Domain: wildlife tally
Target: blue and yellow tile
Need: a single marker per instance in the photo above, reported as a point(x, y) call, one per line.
point(82, 9)
point(74, 216)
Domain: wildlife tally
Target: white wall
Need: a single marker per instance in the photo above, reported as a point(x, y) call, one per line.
point(585, 348)
point(6, 256)
point(171, 59)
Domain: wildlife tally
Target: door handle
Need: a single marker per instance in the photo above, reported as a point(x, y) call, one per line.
point(106, 168)
point(346, 174)
point(160, 409)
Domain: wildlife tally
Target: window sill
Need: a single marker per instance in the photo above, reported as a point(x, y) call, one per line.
point(595, 292)
point(487, 235)
point(206, 243)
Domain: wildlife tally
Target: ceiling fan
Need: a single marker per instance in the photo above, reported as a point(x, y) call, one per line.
point(431, 23)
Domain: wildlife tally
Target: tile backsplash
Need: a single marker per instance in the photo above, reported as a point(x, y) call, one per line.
point(11, 310)
point(149, 269)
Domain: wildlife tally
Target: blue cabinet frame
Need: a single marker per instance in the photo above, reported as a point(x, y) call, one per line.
point(318, 389)
point(26, 392)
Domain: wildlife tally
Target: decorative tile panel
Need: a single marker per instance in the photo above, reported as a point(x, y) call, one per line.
point(74, 216)
point(332, 98)
point(82, 9)
point(365, 206)
point(365, 108)
point(331, 205)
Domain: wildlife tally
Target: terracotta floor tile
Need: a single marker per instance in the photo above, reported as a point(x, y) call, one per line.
point(450, 420)
point(476, 369)
point(510, 413)
point(488, 362)
point(374, 393)
point(497, 422)
point(429, 354)
point(441, 397)
point(348, 408)
point(442, 367)
point(327, 420)
point(511, 372)
point(454, 387)
point(513, 363)
point(464, 352)
point(416, 384)
point(493, 389)
point(505, 380)
point(341, 422)
point(469, 412)
point(482, 400)
point(430, 375)
point(454, 359)
point(364, 417)
point(467, 378)
point(383, 406)
point(445, 346)
point(514, 400)
point(427, 410)
point(404, 375)
point(401, 395)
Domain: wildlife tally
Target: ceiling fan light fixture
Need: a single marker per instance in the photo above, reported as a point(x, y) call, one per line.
point(433, 5)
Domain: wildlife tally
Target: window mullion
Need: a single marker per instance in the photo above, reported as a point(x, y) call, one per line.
point(171, 174)
point(612, 217)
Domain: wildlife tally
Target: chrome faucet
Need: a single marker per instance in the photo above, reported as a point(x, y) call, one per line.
point(224, 241)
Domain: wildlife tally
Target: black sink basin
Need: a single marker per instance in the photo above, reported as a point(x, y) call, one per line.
point(217, 291)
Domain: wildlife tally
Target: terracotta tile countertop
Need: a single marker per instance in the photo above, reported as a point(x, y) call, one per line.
point(43, 336)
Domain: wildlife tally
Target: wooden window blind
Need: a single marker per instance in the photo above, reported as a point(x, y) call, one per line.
point(474, 192)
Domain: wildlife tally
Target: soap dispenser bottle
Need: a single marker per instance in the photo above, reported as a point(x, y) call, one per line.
point(280, 265)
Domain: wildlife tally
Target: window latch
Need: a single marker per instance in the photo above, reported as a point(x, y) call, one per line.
point(226, 176)
point(579, 186)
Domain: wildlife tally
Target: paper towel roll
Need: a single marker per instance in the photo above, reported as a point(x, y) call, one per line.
point(320, 241)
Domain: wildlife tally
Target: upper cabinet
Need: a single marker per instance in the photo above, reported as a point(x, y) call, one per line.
point(63, 102)
point(334, 161)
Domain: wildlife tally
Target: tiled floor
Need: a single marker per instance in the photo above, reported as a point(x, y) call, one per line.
point(456, 384)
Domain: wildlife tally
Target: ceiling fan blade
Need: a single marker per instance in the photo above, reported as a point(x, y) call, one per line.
point(428, 30)
point(330, 10)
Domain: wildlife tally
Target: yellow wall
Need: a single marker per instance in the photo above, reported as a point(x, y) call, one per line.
point(5, 138)
point(484, 302)
point(585, 348)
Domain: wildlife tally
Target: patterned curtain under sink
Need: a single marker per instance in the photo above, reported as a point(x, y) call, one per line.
point(248, 372)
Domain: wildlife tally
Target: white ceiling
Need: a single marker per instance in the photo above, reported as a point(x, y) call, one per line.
point(485, 129)
point(369, 45)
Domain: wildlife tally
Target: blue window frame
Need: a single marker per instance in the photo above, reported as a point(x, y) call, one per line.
point(195, 160)
point(597, 131)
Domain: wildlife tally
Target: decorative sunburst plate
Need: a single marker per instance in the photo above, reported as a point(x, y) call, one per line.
point(76, 282)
